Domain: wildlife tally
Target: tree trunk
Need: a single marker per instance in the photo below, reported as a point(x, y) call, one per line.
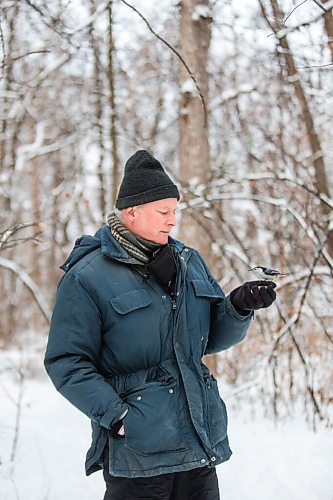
point(195, 34)
point(99, 122)
point(328, 23)
point(8, 140)
point(7, 136)
point(113, 112)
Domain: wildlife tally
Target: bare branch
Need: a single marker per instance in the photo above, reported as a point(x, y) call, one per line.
point(7, 239)
point(321, 6)
point(286, 19)
point(272, 176)
point(91, 19)
point(21, 56)
point(283, 31)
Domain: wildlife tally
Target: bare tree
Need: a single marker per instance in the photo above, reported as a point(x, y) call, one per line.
point(313, 137)
point(195, 35)
point(113, 110)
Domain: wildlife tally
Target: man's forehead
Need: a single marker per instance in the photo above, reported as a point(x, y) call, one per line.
point(164, 203)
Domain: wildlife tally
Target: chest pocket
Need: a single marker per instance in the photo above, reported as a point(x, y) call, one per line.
point(130, 301)
point(133, 332)
point(203, 288)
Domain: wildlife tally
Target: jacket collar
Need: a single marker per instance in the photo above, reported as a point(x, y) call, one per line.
point(104, 240)
point(111, 248)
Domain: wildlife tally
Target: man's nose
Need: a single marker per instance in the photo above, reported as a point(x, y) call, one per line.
point(172, 220)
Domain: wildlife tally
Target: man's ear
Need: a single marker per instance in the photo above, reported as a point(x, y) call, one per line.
point(130, 213)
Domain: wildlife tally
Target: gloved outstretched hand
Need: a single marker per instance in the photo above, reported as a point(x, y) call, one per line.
point(253, 295)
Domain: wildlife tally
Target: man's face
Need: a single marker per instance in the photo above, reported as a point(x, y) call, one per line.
point(152, 221)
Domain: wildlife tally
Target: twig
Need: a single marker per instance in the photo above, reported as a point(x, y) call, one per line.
point(286, 19)
point(319, 5)
point(52, 24)
point(32, 52)
point(314, 66)
point(6, 236)
point(18, 414)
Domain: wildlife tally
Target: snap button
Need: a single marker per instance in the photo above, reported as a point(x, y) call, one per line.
point(202, 338)
point(202, 460)
point(186, 249)
point(163, 296)
point(213, 459)
point(171, 391)
point(139, 397)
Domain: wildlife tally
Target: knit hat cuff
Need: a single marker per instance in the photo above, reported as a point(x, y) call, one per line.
point(158, 193)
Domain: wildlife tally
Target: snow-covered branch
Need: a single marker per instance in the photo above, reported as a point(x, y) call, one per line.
point(90, 20)
point(313, 19)
point(262, 176)
point(229, 95)
point(9, 237)
point(53, 66)
point(29, 283)
point(27, 152)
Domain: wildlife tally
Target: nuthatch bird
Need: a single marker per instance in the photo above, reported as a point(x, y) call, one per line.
point(265, 273)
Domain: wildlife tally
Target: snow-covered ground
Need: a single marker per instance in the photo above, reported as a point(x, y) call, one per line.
point(287, 462)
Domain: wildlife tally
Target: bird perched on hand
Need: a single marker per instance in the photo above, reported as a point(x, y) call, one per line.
point(265, 273)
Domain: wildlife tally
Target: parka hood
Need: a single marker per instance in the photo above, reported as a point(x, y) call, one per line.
point(83, 245)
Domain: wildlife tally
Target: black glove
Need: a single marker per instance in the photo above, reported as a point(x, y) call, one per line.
point(163, 267)
point(114, 429)
point(253, 295)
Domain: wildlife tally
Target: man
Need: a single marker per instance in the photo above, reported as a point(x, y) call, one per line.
point(135, 312)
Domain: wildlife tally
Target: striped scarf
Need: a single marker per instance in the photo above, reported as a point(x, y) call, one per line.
point(137, 247)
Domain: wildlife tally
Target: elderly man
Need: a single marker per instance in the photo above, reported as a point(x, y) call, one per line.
point(135, 312)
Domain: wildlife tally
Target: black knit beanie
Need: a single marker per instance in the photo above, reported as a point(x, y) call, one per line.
point(144, 181)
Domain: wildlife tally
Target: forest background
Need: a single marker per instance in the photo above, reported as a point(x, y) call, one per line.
point(236, 100)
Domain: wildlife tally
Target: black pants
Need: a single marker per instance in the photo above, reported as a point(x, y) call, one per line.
point(196, 484)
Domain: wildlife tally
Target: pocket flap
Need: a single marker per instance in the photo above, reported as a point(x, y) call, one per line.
point(130, 301)
point(204, 288)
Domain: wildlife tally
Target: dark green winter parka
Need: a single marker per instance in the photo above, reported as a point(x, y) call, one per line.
point(118, 343)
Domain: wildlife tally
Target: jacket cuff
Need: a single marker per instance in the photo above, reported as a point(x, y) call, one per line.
point(112, 415)
point(230, 308)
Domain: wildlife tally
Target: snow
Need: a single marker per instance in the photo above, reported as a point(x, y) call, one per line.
point(269, 462)
point(188, 87)
point(201, 10)
point(272, 463)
